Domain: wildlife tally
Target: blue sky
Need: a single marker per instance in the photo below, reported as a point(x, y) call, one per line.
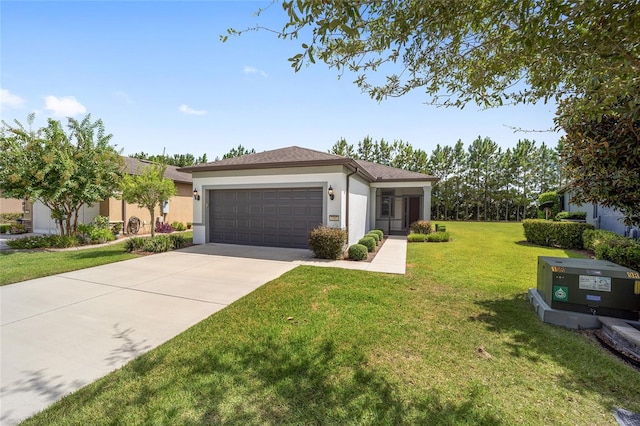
point(156, 73)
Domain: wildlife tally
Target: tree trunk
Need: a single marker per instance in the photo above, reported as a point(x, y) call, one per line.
point(153, 221)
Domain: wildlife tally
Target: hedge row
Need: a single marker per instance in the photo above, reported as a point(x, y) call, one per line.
point(555, 234)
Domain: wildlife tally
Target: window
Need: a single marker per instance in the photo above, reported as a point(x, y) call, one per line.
point(387, 204)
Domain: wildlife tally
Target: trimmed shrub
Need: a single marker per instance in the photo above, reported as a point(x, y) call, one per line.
point(421, 227)
point(327, 242)
point(571, 216)
point(380, 233)
point(625, 254)
point(592, 238)
point(157, 244)
point(178, 226)
point(134, 244)
point(178, 241)
point(416, 238)
point(5, 228)
point(368, 242)
point(18, 228)
point(163, 228)
point(358, 252)
point(555, 234)
point(375, 236)
point(438, 237)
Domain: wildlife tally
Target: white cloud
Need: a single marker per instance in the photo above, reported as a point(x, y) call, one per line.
point(252, 70)
point(190, 111)
point(64, 107)
point(9, 100)
point(124, 96)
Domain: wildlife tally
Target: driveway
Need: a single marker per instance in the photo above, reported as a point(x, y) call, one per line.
point(62, 332)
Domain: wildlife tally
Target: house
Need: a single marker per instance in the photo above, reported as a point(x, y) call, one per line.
point(179, 208)
point(601, 217)
point(10, 205)
point(275, 198)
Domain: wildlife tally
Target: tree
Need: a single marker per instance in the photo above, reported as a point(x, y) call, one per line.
point(461, 51)
point(63, 170)
point(148, 189)
point(342, 148)
point(602, 158)
point(178, 160)
point(238, 152)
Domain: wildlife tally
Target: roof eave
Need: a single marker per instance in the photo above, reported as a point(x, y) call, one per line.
point(277, 165)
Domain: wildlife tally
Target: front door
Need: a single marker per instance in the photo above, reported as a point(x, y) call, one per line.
point(411, 211)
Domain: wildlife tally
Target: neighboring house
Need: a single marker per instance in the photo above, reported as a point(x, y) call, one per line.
point(275, 198)
point(10, 205)
point(179, 208)
point(601, 217)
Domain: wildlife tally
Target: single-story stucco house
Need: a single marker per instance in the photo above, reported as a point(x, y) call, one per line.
point(601, 217)
point(37, 217)
point(275, 198)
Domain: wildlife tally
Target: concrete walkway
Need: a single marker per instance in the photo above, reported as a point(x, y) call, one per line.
point(62, 332)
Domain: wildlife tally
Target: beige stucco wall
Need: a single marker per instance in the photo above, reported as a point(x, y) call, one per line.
point(10, 205)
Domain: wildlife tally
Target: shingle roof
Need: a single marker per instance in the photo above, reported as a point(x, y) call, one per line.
point(296, 156)
point(133, 166)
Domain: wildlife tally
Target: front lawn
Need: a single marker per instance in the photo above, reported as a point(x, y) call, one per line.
point(452, 342)
point(16, 266)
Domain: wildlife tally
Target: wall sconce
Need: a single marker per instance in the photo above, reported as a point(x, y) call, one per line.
point(196, 196)
point(330, 192)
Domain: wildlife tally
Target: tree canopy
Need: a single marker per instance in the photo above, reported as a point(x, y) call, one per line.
point(178, 160)
point(63, 169)
point(460, 51)
point(148, 189)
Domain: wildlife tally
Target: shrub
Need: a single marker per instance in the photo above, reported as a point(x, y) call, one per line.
point(368, 242)
point(438, 237)
point(33, 242)
point(62, 241)
point(163, 228)
point(5, 228)
point(380, 233)
point(116, 228)
point(157, 244)
point(416, 238)
point(101, 222)
point(10, 217)
point(421, 227)
point(571, 216)
point(18, 228)
point(189, 224)
point(592, 238)
point(623, 253)
point(327, 242)
point(94, 233)
point(358, 252)
point(178, 241)
point(43, 241)
point(134, 244)
point(178, 226)
point(555, 234)
point(375, 236)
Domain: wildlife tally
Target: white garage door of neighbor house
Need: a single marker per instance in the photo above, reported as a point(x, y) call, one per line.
point(275, 217)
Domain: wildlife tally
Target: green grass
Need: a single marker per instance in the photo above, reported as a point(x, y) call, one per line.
point(25, 265)
point(452, 342)
point(19, 266)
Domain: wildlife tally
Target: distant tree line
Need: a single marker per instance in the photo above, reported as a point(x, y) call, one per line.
point(481, 182)
point(177, 160)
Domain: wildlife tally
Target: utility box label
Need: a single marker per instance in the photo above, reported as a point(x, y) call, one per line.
point(560, 293)
point(589, 282)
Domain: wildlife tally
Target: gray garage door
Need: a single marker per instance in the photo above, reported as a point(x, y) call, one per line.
point(279, 217)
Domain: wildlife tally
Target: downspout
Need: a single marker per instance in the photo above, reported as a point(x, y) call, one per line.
point(347, 202)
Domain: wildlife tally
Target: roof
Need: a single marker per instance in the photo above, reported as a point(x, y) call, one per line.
point(296, 156)
point(134, 166)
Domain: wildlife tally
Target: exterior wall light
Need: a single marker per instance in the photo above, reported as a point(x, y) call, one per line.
point(196, 196)
point(330, 192)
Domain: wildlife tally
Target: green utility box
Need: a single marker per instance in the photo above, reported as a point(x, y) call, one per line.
point(589, 286)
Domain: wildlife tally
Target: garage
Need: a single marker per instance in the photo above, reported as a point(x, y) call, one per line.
point(274, 217)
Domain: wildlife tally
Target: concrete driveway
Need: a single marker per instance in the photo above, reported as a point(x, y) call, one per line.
point(62, 332)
